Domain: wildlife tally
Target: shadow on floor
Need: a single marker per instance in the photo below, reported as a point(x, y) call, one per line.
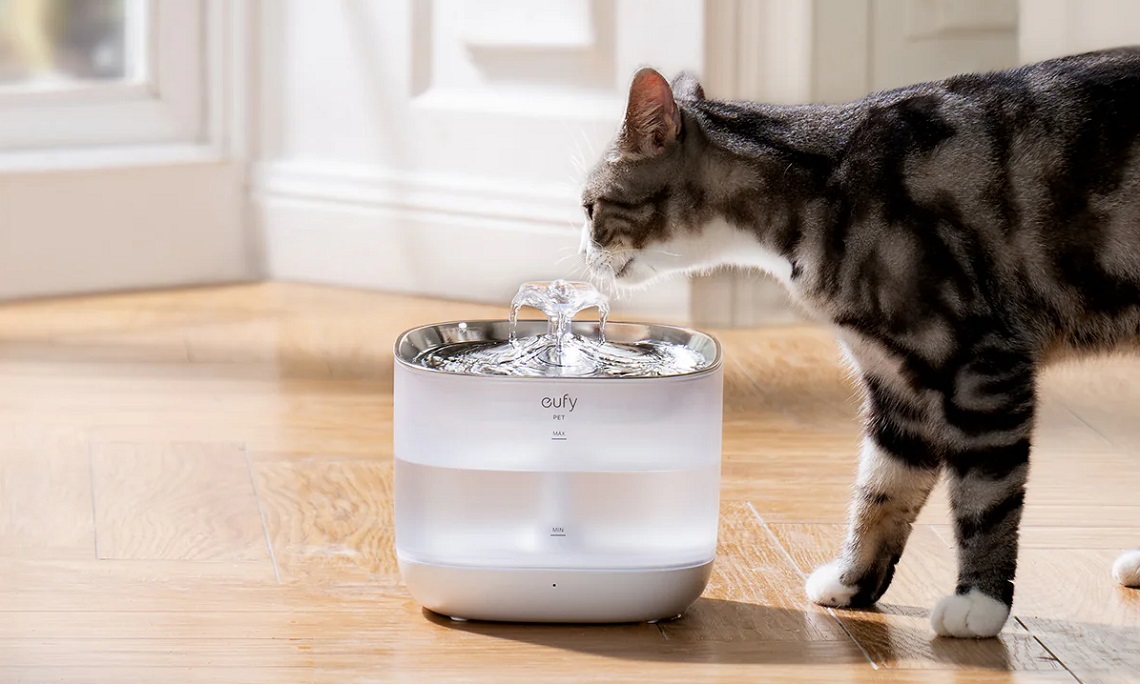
point(733, 632)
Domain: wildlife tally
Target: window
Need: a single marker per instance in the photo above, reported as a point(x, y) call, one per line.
point(100, 73)
point(63, 44)
point(121, 144)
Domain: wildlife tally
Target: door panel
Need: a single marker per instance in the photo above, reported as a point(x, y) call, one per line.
point(397, 124)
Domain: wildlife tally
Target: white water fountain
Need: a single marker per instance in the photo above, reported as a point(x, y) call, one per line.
point(557, 470)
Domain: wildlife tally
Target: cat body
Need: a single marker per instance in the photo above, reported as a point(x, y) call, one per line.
point(955, 234)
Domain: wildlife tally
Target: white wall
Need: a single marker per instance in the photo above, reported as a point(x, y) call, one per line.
point(1051, 28)
point(436, 147)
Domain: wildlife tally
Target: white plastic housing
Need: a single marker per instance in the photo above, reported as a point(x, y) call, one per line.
point(557, 499)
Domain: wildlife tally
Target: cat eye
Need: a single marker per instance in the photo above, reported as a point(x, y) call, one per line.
point(589, 207)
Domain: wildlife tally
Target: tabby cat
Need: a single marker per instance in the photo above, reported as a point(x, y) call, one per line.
point(954, 234)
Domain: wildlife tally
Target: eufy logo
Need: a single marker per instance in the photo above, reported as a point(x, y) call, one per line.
point(563, 402)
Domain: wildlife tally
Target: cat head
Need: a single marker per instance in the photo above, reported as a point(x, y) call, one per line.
point(642, 200)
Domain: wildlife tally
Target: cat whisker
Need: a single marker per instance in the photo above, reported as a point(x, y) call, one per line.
point(589, 145)
point(566, 257)
point(596, 279)
point(614, 287)
point(577, 159)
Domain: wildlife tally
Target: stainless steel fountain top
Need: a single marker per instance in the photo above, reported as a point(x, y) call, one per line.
point(567, 348)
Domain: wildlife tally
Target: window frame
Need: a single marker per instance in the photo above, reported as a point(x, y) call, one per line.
point(162, 103)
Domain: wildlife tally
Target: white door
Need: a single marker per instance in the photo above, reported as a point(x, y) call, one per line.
point(436, 146)
point(121, 145)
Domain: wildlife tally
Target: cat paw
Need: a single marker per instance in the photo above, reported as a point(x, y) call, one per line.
point(825, 588)
point(1126, 570)
point(970, 615)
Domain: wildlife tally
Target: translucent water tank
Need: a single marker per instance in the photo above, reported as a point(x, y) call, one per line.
point(557, 496)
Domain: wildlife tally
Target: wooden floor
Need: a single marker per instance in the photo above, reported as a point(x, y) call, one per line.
point(196, 486)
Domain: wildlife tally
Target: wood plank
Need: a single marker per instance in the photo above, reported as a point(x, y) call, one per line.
point(1044, 508)
point(183, 501)
point(45, 493)
point(167, 586)
point(1093, 625)
point(754, 593)
point(328, 518)
point(1040, 537)
point(545, 657)
point(1102, 393)
point(896, 633)
point(453, 669)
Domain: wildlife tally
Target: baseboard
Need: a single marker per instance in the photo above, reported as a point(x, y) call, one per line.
point(760, 301)
point(734, 299)
point(91, 230)
point(427, 235)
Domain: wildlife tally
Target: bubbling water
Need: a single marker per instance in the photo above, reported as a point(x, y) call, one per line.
point(560, 300)
point(560, 352)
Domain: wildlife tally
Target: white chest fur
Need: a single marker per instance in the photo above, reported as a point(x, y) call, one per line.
point(719, 243)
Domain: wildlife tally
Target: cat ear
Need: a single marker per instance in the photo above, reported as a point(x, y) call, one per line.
point(652, 119)
point(687, 87)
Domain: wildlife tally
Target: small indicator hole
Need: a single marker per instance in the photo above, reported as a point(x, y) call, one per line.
point(554, 585)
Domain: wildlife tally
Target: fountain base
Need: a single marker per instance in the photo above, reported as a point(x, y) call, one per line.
point(559, 595)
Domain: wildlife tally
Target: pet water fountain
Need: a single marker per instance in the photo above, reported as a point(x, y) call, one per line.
point(557, 470)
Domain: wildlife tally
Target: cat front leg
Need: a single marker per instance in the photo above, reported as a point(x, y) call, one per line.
point(897, 470)
point(990, 412)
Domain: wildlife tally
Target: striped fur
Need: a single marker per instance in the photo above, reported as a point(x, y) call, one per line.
point(956, 234)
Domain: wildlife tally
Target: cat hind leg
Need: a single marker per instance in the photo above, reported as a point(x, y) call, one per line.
point(1126, 570)
point(989, 415)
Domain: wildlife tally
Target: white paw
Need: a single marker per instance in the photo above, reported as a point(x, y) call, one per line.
point(969, 615)
point(823, 587)
point(1126, 570)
